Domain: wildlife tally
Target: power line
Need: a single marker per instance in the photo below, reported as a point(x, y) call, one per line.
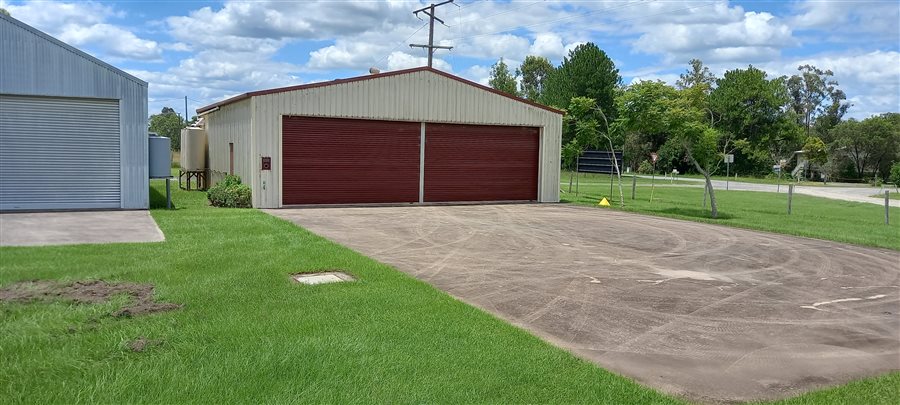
point(503, 12)
point(472, 4)
point(399, 44)
point(559, 19)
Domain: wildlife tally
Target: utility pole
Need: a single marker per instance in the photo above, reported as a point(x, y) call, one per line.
point(429, 11)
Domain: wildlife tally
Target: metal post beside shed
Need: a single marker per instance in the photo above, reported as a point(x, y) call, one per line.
point(633, 184)
point(790, 196)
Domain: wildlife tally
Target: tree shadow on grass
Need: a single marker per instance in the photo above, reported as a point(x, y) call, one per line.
point(694, 213)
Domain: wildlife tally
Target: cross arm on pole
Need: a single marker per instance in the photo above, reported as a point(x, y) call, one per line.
point(433, 5)
point(426, 46)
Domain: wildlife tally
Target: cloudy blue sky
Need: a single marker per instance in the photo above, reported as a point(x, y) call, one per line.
point(209, 50)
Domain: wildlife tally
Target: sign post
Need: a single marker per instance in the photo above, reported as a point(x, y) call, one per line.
point(729, 159)
point(777, 169)
point(653, 157)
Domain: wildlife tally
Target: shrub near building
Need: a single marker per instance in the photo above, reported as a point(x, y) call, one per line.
point(230, 193)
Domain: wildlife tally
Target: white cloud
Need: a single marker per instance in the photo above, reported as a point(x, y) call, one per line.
point(177, 47)
point(275, 21)
point(239, 46)
point(872, 17)
point(753, 37)
point(478, 74)
point(871, 80)
point(402, 60)
point(115, 41)
point(548, 45)
point(84, 24)
point(214, 75)
point(49, 15)
point(342, 55)
point(492, 47)
point(669, 78)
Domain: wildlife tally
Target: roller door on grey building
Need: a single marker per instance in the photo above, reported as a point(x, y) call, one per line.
point(59, 153)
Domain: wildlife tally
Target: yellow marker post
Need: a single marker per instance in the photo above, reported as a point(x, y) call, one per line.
point(604, 202)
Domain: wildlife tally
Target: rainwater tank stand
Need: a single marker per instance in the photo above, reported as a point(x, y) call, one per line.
point(199, 175)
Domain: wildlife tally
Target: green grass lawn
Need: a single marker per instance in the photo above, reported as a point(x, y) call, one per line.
point(603, 180)
point(877, 390)
point(785, 179)
point(813, 217)
point(247, 334)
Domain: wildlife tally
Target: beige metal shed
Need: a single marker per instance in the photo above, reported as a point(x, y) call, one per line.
point(410, 136)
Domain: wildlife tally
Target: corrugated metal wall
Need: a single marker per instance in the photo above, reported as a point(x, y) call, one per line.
point(51, 157)
point(33, 63)
point(230, 124)
point(420, 96)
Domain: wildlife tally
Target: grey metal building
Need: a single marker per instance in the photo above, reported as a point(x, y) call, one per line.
point(73, 129)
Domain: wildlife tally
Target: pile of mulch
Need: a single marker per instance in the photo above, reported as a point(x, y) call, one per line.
point(88, 292)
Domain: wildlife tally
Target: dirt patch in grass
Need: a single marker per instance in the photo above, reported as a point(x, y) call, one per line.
point(88, 292)
point(140, 344)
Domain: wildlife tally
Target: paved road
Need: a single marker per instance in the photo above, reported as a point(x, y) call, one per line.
point(856, 194)
point(711, 313)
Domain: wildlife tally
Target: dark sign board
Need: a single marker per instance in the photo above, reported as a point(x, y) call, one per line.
point(599, 161)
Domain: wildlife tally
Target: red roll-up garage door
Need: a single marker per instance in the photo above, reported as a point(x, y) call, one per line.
point(481, 163)
point(345, 161)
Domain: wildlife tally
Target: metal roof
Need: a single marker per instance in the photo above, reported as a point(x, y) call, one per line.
point(370, 77)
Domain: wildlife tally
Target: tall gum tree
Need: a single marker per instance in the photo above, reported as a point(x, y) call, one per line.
point(501, 79)
point(534, 71)
point(816, 99)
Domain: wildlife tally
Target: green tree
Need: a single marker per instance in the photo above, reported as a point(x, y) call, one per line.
point(502, 79)
point(4, 12)
point(697, 75)
point(888, 128)
point(754, 111)
point(642, 118)
point(895, 173)
point(816, 151)
point(534, 71)
point(587, 123)
point(586, 72)
point(816, 98)
point(168, 123)
point(871, 145)
point(692, 131)
point(580, 132)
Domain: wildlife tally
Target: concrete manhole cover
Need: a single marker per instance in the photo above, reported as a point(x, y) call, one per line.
point(322, 278)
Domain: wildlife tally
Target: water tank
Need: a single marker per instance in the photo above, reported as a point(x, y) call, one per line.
point(160, 157)
point(193, 149)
